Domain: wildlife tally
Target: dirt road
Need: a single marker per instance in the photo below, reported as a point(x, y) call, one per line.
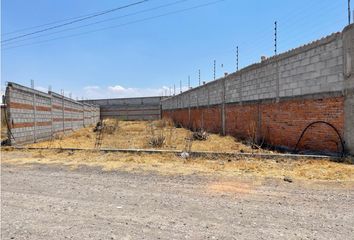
point(52, 202)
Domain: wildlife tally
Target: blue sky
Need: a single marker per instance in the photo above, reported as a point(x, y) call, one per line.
point(148, 57)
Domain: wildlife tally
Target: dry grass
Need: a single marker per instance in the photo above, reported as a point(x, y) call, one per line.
point(135, 134)
point(172, 164)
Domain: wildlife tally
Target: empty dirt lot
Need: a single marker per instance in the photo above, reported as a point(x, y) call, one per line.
point(59, 197)
point(91, 194)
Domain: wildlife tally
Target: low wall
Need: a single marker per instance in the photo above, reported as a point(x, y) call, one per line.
point(143, 108)
point(275, 100)
point(278, 124)
point(34, 116)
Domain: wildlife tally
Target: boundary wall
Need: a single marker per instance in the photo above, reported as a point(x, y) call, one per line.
point(141, 108)
point(275, 100)
point(33, 115)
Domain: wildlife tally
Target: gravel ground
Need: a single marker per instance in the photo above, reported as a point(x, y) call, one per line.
point(53, 202)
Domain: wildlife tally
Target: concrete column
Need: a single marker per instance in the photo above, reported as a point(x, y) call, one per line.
point(34, 118)
point(82, 115)
point(240, 89)
point(71, 116)
point(277, 82)
point(63, 114)
point(51, 116)
point(208, 95)
point(348, 53)
point(189, 110)
point(259, 133)
point(223, 120)
point(203, 118)
point(160, 110)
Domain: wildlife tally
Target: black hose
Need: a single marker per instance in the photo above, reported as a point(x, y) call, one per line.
point(333, 127)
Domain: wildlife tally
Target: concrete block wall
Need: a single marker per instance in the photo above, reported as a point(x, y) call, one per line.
point(57, 113)
point(314, 68)
point(143, 108)
point(283, 93)
point(348, 47)
point(91, 114)
point(87, 114)
point(34, 116)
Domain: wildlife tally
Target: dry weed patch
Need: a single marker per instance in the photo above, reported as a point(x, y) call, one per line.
point(160, 134)
point(175, 165)
point(163, 134)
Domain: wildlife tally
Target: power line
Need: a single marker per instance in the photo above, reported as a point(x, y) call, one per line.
point(98, 22)
point(48, 24)
point(292, 19)
point(120, 25)
point(288, 22)
point(75, 21)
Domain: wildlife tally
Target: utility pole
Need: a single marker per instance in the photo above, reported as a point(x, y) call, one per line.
point(199, 76)
point(275, 37)
point(32, 83)
point(214, 69)
point(174, 89)
point(237, 58)
point(189, 82)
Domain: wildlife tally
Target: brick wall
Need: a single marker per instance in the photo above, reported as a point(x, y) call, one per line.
point(277, 98)
point(278, 124)
point(34, 116)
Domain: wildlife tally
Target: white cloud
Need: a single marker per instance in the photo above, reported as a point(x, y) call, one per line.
point(88, 88)
point(117, 91)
